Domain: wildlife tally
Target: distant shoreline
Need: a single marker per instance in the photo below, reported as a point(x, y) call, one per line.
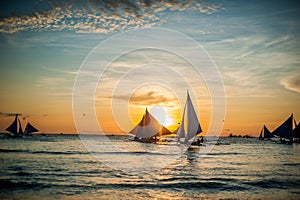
point(122, 135)
point(113, 134)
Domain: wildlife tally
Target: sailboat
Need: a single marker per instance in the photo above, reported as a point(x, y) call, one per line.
point(265, 134)
point(15, 128)
point(30, 129)
point(149, 129)
point(296, 132)
point(190, 125)
point(285, 130)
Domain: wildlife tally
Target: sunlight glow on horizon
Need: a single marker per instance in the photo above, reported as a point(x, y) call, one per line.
point(164, 106)
point(255, 46)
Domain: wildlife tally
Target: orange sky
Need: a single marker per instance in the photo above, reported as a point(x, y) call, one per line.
point(255, 50)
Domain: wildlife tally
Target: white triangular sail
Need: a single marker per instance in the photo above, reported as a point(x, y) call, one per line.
point(190, 125)
point(180, 131)
point(149, 127)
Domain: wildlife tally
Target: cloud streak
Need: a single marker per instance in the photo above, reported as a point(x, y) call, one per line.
point(292, 83)
point(99, 16)
point(5, 114)
point(58, 84)
point(150, 98)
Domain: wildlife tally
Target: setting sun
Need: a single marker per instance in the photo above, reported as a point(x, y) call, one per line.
point(160, 101)
point(161, 115)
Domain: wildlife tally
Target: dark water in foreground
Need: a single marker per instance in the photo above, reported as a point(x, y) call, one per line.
point(59, 166)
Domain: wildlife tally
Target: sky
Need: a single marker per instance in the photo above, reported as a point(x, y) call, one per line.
point(45, 44)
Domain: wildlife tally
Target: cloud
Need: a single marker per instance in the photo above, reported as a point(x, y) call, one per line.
point(244, 55)
point(57, 82)
point(277, 41)
point(99, 16)
point(150, 98)
point(5, 114)
point(292, 83)
point(59, 70)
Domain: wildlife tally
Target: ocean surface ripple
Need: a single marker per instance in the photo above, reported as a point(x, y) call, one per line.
point(59, 166)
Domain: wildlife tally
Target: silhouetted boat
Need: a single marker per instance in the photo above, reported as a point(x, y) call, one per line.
point(15, 128)
point(149, 130)
point(30, 129)
point(285, 131)
point(265, 134)
point(296, 132)
point(190, 125)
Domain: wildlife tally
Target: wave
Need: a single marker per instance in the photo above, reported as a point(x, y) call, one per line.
point(274, 183)
point(292, 164)
point(13, 151)
point(225, 153)
point(79, 152)
point(133, 152)
point(41, 152)
point(198, 185)
point(8, 184)
point(178, 183)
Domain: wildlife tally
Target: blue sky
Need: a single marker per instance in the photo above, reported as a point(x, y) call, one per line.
point(255, 45)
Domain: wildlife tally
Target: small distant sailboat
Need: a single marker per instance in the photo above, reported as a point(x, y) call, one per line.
point(149, 129)
point(190, 125)
point(30, 129)
point(296, 132)
point(16, 128)
point(265, 134)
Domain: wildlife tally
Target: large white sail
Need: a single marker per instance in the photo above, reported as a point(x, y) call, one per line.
point(180, 131)
point(149, 127)
point(190, 125)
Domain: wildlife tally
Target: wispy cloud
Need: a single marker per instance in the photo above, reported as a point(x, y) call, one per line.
point(60, 83)
point(244, 55)
point(292, 83)
point(277, 41)
point(148, 98)
point(59, 70)
point(151, 98)
point(99, 16)
point(5, 114)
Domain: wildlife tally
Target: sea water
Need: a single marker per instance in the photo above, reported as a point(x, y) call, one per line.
point(60, 166)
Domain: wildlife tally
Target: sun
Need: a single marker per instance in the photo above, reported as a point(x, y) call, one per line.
point(161, 115)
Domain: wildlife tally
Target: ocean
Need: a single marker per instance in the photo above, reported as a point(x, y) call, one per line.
point(64, 167)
